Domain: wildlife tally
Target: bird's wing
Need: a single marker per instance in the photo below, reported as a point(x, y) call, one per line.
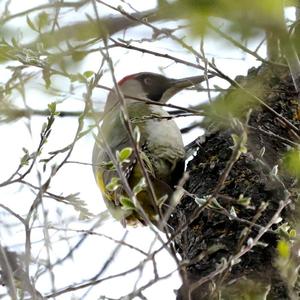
point(114, 136)
point(159, 162)
point(108, 179)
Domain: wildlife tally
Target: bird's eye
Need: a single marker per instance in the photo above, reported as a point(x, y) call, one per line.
point(148, 81)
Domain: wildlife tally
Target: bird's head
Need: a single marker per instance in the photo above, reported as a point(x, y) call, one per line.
point(151, 86)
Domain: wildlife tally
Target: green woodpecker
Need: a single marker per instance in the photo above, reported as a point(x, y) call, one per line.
point(160, 148)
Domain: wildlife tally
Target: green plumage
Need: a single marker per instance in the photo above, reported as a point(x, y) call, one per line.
point(162, 151)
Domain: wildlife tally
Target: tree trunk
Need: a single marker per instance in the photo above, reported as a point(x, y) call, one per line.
point(235, 197)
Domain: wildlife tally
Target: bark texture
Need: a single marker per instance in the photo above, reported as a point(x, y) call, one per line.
point(217, 233)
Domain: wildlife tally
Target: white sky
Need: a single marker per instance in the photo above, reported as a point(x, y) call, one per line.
point(75, 178)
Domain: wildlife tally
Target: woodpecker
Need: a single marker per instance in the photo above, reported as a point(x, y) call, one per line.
point(160, 148)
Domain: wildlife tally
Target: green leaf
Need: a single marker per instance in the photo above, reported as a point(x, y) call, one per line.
point(52, 108)
point(77, 77)
point(243, 15)
point(283, 248)
point(245, 201)
point(109, 165)
point(283, 230)
point(291, 162)
point(124, 154)
point(88, 74)
point(30, 24)
point(43, 20)
point(126, 202)
point(26, 157)
point(224, 109)
point(240, 140)
point(292, 233)
point(113, 185)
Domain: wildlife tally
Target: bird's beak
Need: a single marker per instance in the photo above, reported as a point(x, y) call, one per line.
point(176, 85)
